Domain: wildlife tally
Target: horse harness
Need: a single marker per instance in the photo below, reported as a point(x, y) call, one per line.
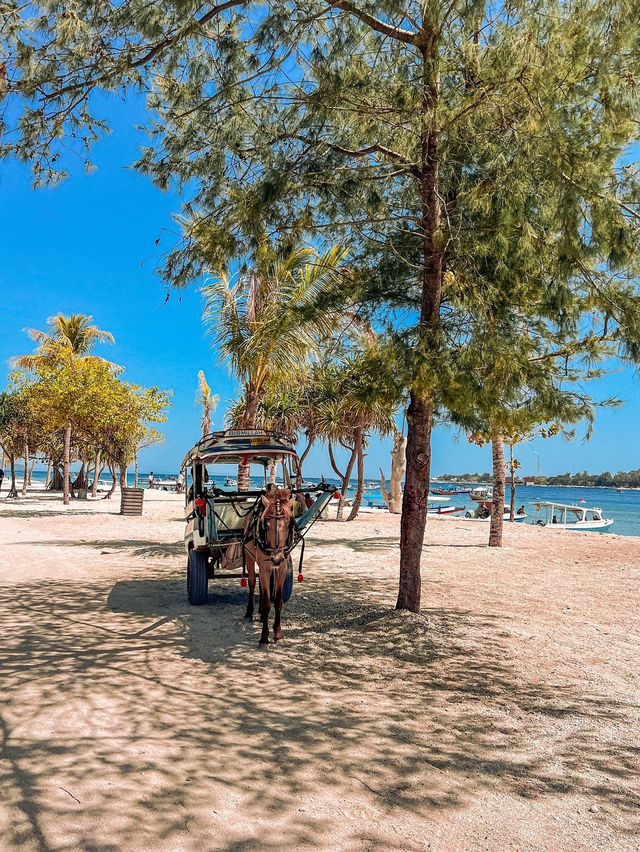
point(257, 532)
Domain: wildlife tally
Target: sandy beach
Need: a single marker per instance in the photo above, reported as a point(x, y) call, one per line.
point(504, 716)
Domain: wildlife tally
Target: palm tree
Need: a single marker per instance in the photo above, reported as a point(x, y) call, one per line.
point(67, 339)
point(207, 401)
point(265, 322)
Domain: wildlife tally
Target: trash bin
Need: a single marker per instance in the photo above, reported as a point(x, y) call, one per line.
point(82, 493)
point(131, 501)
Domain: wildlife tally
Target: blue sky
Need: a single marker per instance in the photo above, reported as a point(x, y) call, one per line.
point(88, 246)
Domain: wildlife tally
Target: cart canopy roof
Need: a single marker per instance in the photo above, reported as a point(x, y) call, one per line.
point(241, 446)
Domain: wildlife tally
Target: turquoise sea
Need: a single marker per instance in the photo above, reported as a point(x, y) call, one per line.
point(622, 506)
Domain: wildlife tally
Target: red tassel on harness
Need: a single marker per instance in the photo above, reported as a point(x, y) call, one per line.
point(300, 578)
point(243, 582)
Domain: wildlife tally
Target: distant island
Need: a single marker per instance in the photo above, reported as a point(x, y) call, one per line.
point(621, 479)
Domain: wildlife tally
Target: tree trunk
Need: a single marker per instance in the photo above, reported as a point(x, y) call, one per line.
point(135, 471)
point(332, 461)
point(248, 422)
point(96, 476)
point(13, 492)
point(497, 507)
point(57, 479)
point(512, 483)
point(306, 452)
point(123, 476)
point(49, 466)
point(112, 471)
point(81, 478)
point(360, 490)
point(393, 497)
point(67, 462)
point(420, 412)
point(345, 483)
point(31, 467)
point(25, 477)
point(414, 501)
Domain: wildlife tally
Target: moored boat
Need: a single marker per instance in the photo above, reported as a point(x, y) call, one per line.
point(483, 513)
point(444, 510)
point(481, 493)
point(562, 516)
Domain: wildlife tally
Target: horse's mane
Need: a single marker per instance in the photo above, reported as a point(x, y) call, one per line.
point(273, 496)
point(281, 494)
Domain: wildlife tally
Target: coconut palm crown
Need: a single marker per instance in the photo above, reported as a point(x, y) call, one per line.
point(265, 322)
point(66, 337)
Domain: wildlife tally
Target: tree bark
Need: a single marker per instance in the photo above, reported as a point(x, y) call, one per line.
point(497, 507)
point(420, 412)
point(96, 476)
point(25, 478)
point(135, 471)
point(512, 483)
point(345, 483)
point(112, 471)
point(360, 489)
point(49, 466)
point(414, 501)
point(306, 452)
point(31, 467)
point(332, 461)
point(393, 497)
point(13, 492)
point(123, 476)
point(248, 421)
point(67, 462)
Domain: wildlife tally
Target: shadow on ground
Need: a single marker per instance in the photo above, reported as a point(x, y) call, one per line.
point(127, 708)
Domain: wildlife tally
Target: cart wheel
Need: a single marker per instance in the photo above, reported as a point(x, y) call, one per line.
point(197, 578)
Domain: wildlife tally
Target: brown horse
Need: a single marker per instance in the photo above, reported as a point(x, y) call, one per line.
point(268, 541)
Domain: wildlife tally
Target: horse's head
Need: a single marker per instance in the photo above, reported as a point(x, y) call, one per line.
point(276, 521)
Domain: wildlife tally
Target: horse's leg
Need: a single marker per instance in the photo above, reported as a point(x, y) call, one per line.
point(265, 598)
point(278, 602)
point(251, 580)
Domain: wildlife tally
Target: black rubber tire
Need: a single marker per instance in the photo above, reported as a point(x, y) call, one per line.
point(197, 580)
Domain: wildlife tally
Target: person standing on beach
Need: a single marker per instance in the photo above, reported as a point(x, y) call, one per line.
point(1, 477)
point(151, 480)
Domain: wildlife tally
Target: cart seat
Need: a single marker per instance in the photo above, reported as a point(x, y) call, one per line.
point(229, 516)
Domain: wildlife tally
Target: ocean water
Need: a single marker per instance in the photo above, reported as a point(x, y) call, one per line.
point(622, 506)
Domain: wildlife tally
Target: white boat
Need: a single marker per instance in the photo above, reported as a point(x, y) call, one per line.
point(165, 484)
point(483, 513)
point(444, 510)
point(481, 493)
point(230, 482)
point(562, 516)
point(438, 498)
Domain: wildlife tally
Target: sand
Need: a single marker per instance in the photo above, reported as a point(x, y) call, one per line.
point(504, 716)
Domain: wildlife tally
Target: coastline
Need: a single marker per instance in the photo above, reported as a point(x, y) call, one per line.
point(505, 714)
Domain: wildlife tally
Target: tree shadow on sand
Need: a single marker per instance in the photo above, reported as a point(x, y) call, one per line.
point(167, 722)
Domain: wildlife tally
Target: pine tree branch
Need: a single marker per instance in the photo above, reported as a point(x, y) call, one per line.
point(152, 52)
point(376, 148)
point(397, 33)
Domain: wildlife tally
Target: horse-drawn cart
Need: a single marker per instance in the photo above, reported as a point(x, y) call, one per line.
point(229, 531)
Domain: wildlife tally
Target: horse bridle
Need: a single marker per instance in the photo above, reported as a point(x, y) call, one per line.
point(260, 532)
